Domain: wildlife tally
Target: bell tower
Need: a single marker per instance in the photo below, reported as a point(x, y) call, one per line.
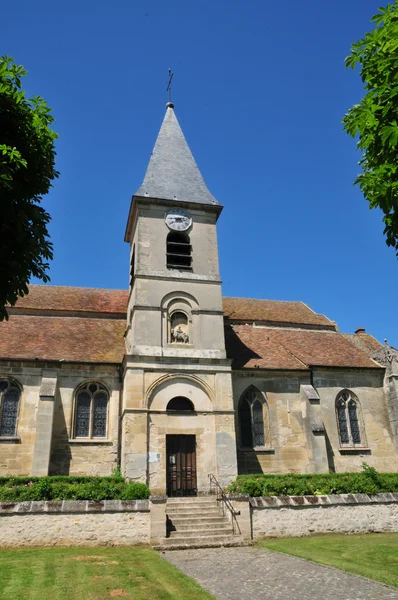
point(175, 334)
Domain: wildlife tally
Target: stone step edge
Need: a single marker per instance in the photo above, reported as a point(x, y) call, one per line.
point(188, 500)
point(203, 527)
point(195, 535)
point(199, 520)
point(199, 536)
point(230, 544)
point(195, 510)
point(196, 503)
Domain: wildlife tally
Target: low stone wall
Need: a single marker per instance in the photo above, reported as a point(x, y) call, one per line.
point(278, 516)
point(74, 523)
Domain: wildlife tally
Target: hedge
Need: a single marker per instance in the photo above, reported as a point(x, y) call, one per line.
point(18, 489)
point(369, 481)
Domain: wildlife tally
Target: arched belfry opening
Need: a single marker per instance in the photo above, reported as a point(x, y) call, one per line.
point(179, 251)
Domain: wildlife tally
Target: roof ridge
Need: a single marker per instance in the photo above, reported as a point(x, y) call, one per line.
point(265, 300)
point(77, 287)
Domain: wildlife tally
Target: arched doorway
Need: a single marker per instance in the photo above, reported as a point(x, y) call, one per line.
point(181, 454)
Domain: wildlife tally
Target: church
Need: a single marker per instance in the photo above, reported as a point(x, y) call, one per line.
point(172, 382)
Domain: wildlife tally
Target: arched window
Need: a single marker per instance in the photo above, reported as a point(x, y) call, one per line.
point(91, 411)
point(179, 251)
point(179, 331)
point(254, 428)
point(9, 405)
point(181, 404)
point(349, 420)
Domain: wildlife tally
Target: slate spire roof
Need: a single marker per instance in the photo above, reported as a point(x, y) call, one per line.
point(172, 173)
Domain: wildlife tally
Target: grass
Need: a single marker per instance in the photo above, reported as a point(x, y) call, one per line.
point(374, 555)
point(92, 574)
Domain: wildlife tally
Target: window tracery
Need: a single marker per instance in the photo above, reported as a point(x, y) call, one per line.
point(253, 420)
point(9, 405)
point(349, 420)
point(91, 411)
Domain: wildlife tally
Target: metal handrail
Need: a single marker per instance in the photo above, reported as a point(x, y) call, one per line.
point(226, 501)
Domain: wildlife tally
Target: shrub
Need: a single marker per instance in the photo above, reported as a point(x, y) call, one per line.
point(18, 489)
point(369, 481)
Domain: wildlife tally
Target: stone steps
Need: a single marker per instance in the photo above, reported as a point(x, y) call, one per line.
point(192, 499)
point(191, 505)
point(191, 525)
point(197, 522)
point(211, 512)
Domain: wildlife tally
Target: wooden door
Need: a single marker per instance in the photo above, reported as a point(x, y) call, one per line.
point(181, 465)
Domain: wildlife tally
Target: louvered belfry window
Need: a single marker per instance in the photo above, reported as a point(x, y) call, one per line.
point(9, 406)
point(91, 411)
point(349, 420)
point(253, 427)
point(179, 251)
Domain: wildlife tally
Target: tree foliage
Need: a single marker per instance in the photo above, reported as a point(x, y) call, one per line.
point(27, 167)
point(375, 119)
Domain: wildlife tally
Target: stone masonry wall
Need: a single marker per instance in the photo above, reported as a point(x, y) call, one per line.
point(74, 523)
point(296, 516)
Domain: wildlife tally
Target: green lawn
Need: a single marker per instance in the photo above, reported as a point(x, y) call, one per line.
point(373, 555)
point(92, 574)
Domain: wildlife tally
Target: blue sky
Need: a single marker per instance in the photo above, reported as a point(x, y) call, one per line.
point(260, 89)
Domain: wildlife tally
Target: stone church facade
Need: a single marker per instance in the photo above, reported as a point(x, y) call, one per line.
point(171, 381)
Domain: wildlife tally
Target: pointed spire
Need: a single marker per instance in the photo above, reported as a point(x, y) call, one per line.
point(172, 173)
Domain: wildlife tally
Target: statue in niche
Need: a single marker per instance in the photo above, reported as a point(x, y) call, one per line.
point(179, 328)
point(178, 336)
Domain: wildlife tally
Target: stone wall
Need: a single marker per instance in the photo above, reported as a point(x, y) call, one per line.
point(79, 523)
point(24, 454)
point(296, 516)
point(303, 430)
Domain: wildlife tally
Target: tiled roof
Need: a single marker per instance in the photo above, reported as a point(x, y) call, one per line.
point(74, 299)
point(70, 339)
point(56, 298)
point(251, 347)
point(67, 330)
point(279, 348)
point(365, 342)
point(249, 309)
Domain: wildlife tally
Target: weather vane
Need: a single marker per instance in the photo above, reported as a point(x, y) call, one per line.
point(168, 89)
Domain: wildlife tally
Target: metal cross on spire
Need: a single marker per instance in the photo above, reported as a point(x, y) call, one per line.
point(168, 89)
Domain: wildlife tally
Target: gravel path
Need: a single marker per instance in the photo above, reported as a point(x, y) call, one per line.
point(247, 572)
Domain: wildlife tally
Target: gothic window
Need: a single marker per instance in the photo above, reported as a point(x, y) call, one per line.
point(91, 411)
point(179, 330)
point(253, 420)
point(179, 251)
point(9, 404)
point(181, 404)
point(349, 420)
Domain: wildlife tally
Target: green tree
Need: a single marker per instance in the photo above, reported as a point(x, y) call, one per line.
point(27, 167)
point(374, 121)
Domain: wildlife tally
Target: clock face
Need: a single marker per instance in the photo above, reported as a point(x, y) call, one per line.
point(178, 219)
